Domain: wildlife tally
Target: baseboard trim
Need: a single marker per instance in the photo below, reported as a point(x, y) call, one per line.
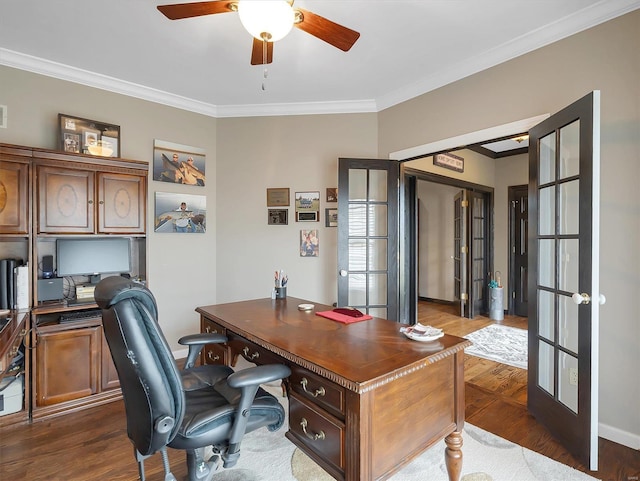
point(180, 353)
point(619, 436)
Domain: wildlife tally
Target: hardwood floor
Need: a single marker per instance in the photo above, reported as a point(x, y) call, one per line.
point(93, 444)
point(496, 400)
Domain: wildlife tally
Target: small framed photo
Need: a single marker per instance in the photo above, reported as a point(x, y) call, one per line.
point(331, 217)
point(278, 217)
point(309, 243)
point(78, 135)
point(307, 206)
point(332, 194)
point(278, 197)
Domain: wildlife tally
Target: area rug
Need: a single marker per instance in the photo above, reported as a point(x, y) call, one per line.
point(504, 344)
point(268, 456)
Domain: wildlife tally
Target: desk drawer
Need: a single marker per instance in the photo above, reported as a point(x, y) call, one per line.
point(318, 390)
point(215, 354)
point(317, 431)
point(250, 351)
point(211, 327)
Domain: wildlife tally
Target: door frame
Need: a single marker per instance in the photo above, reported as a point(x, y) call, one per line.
point(513, 275)
point(408, 174)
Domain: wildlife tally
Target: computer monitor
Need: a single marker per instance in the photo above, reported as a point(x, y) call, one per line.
point(76, 257)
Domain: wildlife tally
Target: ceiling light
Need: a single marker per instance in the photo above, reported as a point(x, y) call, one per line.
point(266, 19)
point(521, 138)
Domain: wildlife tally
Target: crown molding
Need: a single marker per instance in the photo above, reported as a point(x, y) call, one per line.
point(564, 27)
point(310, 108)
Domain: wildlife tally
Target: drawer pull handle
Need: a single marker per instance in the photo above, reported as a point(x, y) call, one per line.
point(255, 355)
point(319, 392)
point(314, 437)
point(211, 331)
point(212, 357)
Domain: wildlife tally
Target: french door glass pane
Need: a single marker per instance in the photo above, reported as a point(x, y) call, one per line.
point(545, 367)
point(547, 216)
point(357, 290)
point(357, 220)
point(567, 381)
point(569, 265)
point(569, 207)
point(357, 185)
point(546, 262)
point(378, 185)
point(378, 220)
point(570, 150)
point(547, 159)
point(378, 289)
point(378, 312)
point(546, 315)
point(377, 255)
point(568, 323)
point(357, 254)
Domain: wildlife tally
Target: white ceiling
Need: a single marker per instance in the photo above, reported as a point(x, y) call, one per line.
point(406, 48)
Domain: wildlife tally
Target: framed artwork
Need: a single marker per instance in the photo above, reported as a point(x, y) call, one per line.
point(331, 217)
point(180, 213)
point(278, 197)
point(449, 161)
point(307, 206)
point(278, 217)
point(332, 194)
point(178, 164)
point(309, 243)
point(78, 135)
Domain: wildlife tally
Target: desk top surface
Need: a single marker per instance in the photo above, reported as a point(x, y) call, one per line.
point(357, 355)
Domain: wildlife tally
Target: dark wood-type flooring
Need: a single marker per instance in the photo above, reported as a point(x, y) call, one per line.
point(92, 444)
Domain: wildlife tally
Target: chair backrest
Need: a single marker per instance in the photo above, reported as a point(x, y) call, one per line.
point(150, 380)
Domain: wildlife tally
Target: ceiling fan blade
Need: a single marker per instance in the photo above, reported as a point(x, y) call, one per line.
point(257, 57)
point(331, 32)
point(187, 10)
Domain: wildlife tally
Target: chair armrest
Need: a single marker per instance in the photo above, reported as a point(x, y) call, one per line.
point(196, 342)
point(258, 375)
point(202, 338)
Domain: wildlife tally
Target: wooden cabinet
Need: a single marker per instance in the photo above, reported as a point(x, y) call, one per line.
point(67, 363)
point(109, 375)
point(14, 199)
point(74, 201)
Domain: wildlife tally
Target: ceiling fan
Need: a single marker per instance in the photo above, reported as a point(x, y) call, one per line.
point(268, 21)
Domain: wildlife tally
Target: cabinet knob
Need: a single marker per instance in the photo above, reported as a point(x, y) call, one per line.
point(90, 201)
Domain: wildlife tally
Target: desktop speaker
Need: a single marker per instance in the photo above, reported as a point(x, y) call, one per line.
point(50, 289)
point(47, 267)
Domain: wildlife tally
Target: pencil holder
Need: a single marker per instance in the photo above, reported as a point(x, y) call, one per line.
point(281, 292)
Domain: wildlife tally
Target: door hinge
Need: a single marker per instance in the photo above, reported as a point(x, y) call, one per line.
point(465, 203)
point(464, 250)
point(464, 296)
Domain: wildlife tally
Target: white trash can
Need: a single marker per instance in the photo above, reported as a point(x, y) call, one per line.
point(496, 307)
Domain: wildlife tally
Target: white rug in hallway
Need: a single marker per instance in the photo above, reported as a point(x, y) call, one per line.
point(499, 343)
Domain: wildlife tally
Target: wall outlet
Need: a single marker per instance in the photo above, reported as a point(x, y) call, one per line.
point(573, 376)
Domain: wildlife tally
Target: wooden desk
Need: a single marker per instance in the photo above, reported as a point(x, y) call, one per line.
point(363, 399)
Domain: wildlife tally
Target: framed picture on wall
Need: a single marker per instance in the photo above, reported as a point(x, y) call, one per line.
point(178, 164)
point(278, 217)
point(78, 135)
point(331, 217)
point(307, 206)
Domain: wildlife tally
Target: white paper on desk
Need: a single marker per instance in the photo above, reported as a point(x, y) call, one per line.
point(22, 287)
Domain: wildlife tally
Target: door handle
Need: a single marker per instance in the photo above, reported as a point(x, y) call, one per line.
point(584, 298)
point(343, 273)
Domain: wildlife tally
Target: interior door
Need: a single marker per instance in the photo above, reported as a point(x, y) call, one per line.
point(564, 173)
point(518, 258)
point(460, 251)
point(478, 254)
point(368, 225)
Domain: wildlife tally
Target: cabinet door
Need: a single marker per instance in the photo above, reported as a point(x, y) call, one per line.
point(110, 378)
point(121, 203)
point(14, 205)
point(67, 365)
point(65, 201)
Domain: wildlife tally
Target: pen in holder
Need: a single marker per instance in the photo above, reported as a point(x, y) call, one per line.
point(280, 291)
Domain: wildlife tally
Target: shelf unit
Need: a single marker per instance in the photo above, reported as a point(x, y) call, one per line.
point(57, 195)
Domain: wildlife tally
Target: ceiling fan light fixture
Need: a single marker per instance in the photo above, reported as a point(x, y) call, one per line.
point(268, 20)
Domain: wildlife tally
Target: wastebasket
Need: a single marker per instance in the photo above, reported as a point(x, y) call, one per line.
point(496, 308)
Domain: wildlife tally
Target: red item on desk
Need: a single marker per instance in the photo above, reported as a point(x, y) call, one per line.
point(334, 316)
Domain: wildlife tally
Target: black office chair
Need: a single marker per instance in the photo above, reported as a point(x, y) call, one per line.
point(199, 407)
